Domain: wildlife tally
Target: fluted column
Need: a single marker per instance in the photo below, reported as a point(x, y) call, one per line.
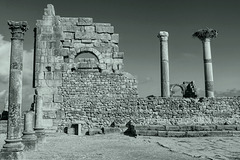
point(165, 86)
point(208, 70)
point(13, 147)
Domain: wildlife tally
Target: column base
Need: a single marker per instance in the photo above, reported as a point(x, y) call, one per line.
point(40, 133)
point(13, 145)
point(29, 139)
point(12, 150)
point(7, 155)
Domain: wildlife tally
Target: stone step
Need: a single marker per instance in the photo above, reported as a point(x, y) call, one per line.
point(188, 133)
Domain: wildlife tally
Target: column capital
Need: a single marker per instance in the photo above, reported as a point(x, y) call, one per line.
point(163, 35)
point(18, 28)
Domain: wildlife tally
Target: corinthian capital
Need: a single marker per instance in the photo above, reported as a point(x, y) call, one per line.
point(18, 28)
point(163, 35)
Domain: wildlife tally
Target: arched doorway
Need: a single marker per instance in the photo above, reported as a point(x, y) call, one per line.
point(87, 61)
point(177, 90)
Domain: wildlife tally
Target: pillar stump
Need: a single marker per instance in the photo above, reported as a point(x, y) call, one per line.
point(29, 139)
point(13, 148)
point(165, 86)
point(39, 130)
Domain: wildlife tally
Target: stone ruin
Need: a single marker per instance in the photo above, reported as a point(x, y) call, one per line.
point(188, 89)
point(70, 88)
point(96, 92)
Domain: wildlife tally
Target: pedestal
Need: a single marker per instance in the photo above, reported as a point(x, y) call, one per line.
point(40, 133)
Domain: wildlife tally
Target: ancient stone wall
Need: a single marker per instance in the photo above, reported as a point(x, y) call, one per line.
point(188, 111)
point(97, 92)
point(60, 75)
point(97, 99)
point(156, 111)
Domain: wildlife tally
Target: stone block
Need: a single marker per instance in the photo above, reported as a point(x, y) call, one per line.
point(141, 127)
point(47, 29)
point(238, 127)
point(85, 35)
point(47, 98)
point(57, 75)
point(86, 41)
point(78, 45)
point(9, 155)
point(89, 28)
point(162, 133)
point(141, 132)
point(115, 38)
point(104, 37)
point(59, 113)
point(67, 44)
point(230, 127)
point(102, 24)
point(172, 128)
point(220, 133)
point(107, 130)
point(58, 59)
point(186, 128)
point(84, 21)
point(93, 131)
point(203, 128)
point(157, 127)
point(64, 51)
point(48, 75)
point(50, 59)
point(151, 133)
point(47, 105)
point(57, 98)
point(197, 133)
point(104, 29)
point(47, 122)
point(118, 55)
point(49, 114)
point(236, 133)
point(39, 75)
point(68, 28)
point(176, 134)
point(58, 52)
point(68, 35)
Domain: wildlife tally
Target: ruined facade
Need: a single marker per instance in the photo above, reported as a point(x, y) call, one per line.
point(71, 88)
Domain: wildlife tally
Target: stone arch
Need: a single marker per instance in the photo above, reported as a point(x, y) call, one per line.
point(172, 86)
point(91, 50)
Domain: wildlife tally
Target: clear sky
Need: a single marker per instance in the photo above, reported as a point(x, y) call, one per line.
point(138, 23)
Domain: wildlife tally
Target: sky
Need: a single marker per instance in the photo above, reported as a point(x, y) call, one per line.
point(138, 23)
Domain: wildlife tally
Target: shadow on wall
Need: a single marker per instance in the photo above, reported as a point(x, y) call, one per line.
point(4, 115)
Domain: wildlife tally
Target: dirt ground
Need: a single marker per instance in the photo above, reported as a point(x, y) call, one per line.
point(101, 147)
point(121, 147)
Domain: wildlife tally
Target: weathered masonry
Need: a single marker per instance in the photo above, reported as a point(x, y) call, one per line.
point(70, 88)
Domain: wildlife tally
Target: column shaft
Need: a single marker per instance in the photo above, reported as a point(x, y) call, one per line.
point(13, 147)
point(208, 70)
point(165, 86)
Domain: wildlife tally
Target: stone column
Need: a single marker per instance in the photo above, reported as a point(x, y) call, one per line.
point(40, 133)
point(13, 147)
point(208, 70)
point(165, 88)
point(29, 138)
